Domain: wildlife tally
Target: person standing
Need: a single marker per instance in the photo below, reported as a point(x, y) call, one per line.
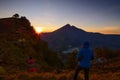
point(31, 63)
point(84, 56)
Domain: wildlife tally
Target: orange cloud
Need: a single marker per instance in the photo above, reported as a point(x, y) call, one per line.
point(104, 30)
point(110, 30)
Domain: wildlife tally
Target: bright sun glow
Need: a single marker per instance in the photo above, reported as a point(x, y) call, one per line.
point(38, 30)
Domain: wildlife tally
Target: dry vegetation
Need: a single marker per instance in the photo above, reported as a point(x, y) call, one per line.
point(109, 71)
point(62, 76)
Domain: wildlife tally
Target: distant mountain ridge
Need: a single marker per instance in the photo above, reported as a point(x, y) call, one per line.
point(70, 36)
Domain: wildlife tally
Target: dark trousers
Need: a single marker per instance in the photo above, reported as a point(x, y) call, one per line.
point(78, 69)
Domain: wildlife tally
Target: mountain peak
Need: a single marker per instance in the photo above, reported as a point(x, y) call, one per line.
point(67, 25)
point(69, 28)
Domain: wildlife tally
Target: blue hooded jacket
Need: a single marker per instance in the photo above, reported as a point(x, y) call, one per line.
point(84, 56)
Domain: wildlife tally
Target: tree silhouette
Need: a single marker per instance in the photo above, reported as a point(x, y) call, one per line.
point(16, 15)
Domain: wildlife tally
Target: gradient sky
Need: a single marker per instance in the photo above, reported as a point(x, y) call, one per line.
point(91, 15)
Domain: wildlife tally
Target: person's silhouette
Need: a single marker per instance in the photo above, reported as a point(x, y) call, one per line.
point(84, 56)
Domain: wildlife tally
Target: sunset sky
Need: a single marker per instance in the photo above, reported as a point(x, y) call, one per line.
point(91, 15)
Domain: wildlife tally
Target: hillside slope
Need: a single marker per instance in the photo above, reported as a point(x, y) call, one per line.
point(19, 41)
